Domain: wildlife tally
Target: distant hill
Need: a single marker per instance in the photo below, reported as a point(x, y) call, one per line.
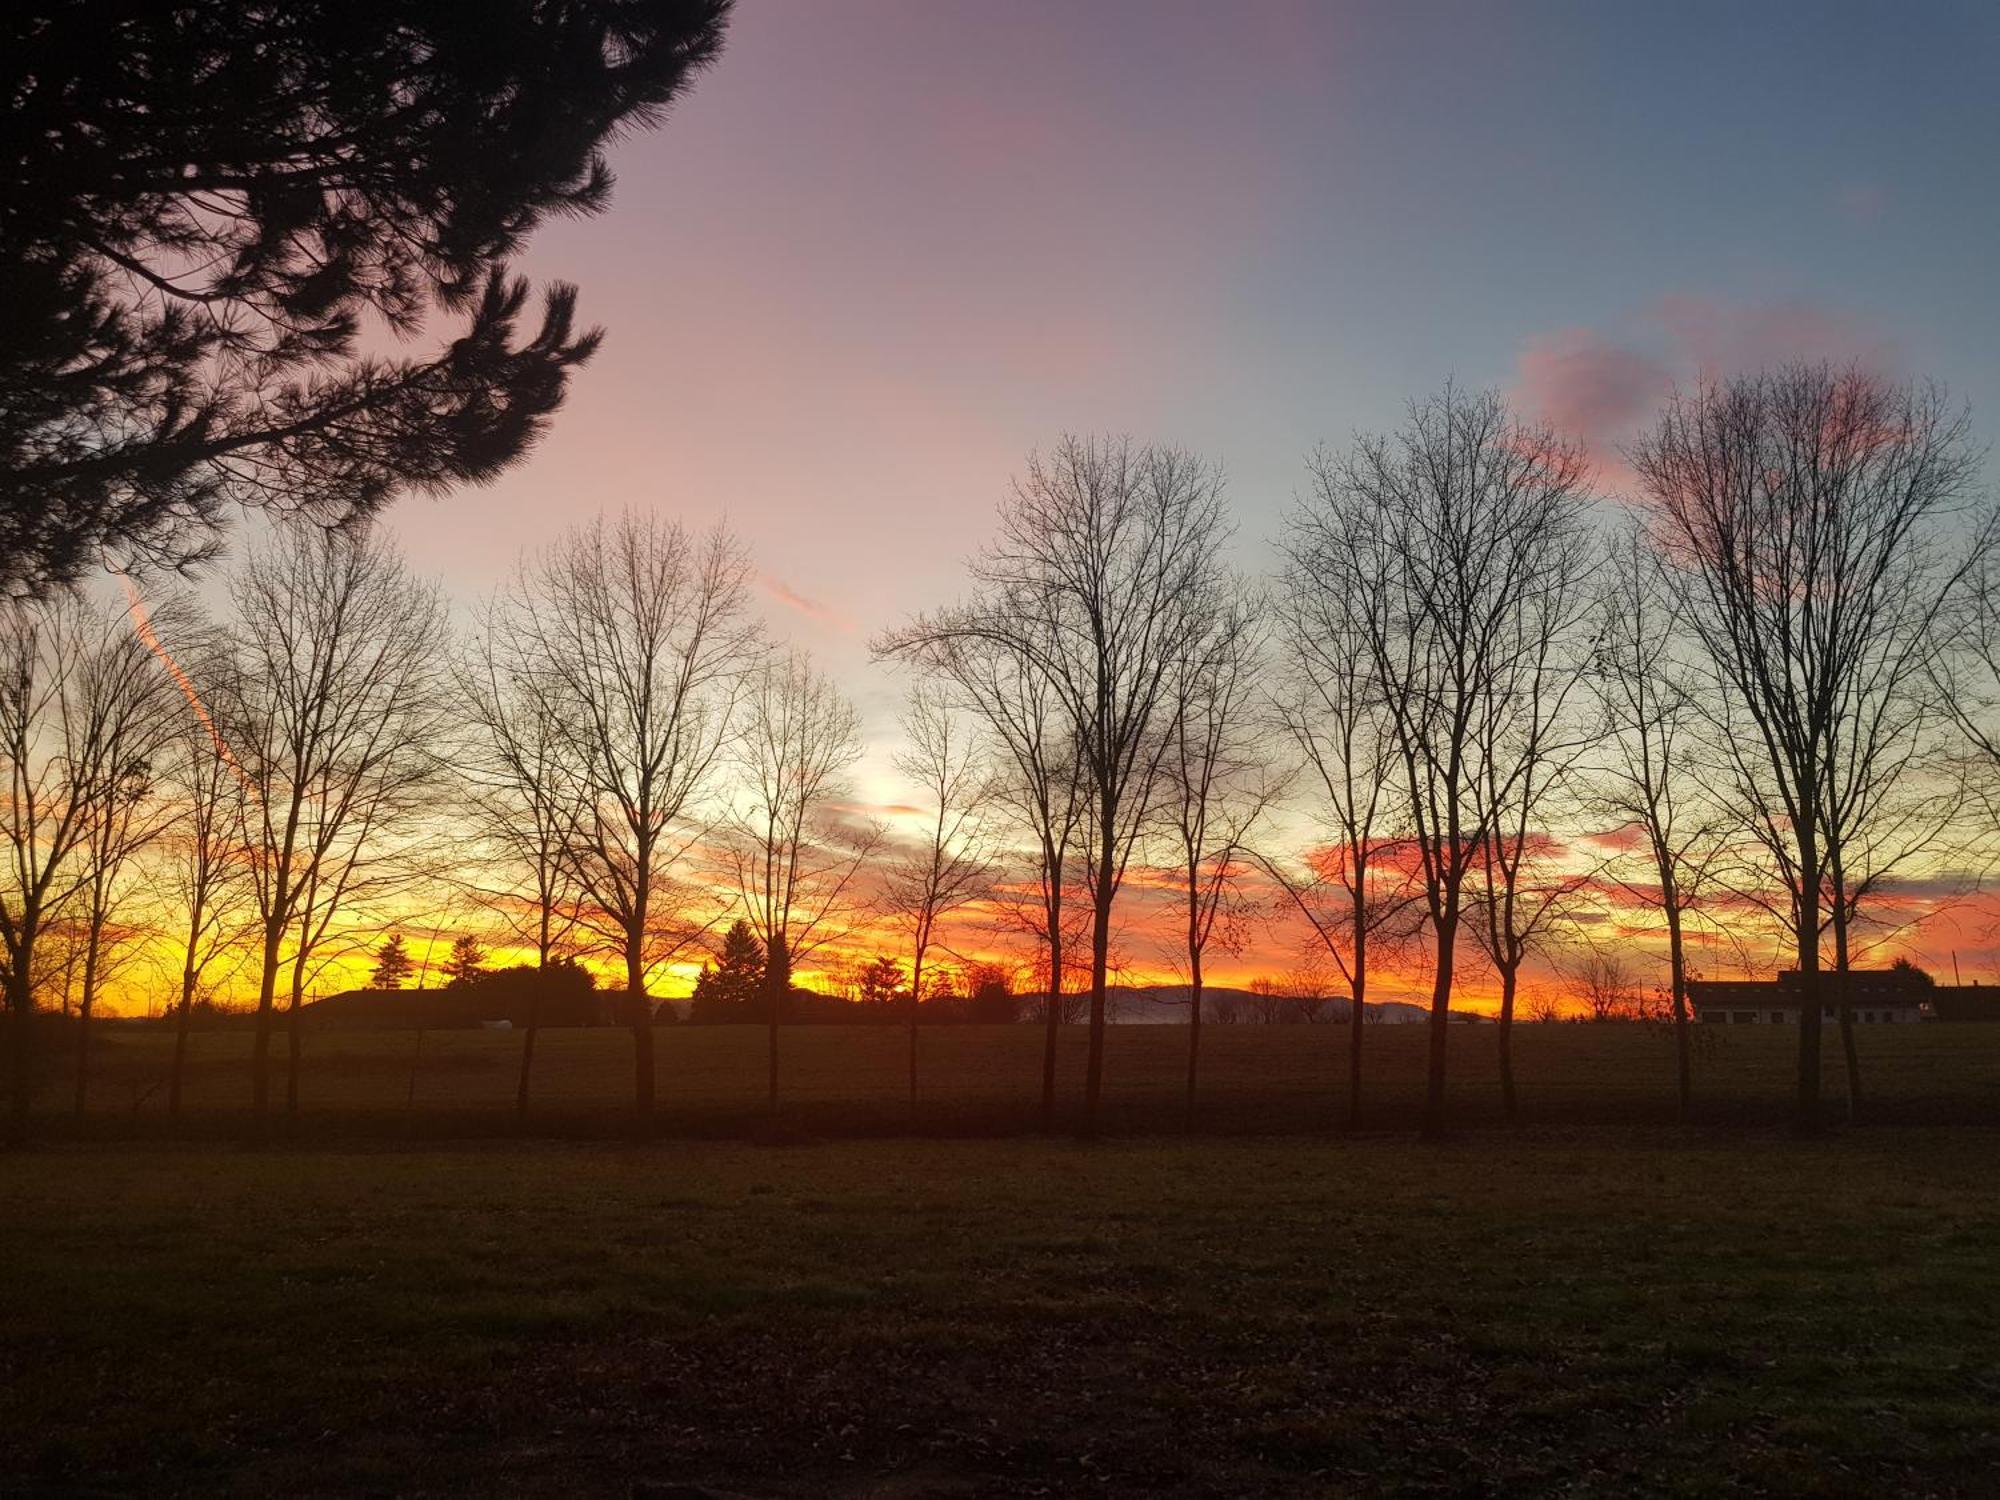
point(561, 996)
point(508, 996)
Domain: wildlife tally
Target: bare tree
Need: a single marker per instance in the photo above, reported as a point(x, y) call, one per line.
point(637, 637)
point(1267, 1001)
point(70, 672)
point(1214, 791)
point(520, 790)
point(362, 855)
point(1603, 982)
point(330, 710)
point(1650, 777)
point(1895, 786)
point(794, 862)
point(1353, 891)
point(205, 875)
point(1464, 523)
point(1041, 779)
point(1106, 574)
point(1530, 743)
point(949, 866)
point(1811, 526)
point(139, 709)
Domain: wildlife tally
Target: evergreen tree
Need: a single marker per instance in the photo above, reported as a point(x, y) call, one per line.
point(726, 990)
point(881, 981)
point(467, 963)
point(392, 963)
point(207, 207)
point(993, 999)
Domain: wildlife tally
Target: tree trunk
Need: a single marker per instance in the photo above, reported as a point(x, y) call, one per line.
point(1357, 1015)
point(83, 1056)
point(1440, 1028)
point(777, 988)
point(1051, 1028)
point(183, 1019)
point(1843, 1007)
point(22, 1023)
point(916, 991)
point(639, 1016)
point(178, 1066)
point(1683, 1043)
point(527, 1057)
point(260, 1048)
point(1509, 1103)
point(1806, 923)
point(83, 1024)
point(292, 1044)
point(1194, 1027)
point(1100, 964)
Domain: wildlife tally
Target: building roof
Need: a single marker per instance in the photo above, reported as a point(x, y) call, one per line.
point(1893, 987)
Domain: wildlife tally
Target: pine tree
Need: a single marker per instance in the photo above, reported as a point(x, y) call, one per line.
point(725, 991)
point(392, 963)
point(881, 981)
point(209, 210)
point(467, 964)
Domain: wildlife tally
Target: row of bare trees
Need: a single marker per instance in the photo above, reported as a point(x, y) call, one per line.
point(1466, 722)
point(612, 736)
point(1760, 692)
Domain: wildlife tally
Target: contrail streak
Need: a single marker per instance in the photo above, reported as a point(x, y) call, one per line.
point(142, 626)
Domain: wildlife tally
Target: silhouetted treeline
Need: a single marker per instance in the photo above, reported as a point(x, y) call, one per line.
point(1468, 729)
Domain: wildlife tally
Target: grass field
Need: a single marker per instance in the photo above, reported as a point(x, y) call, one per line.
point(1596, 1303)
point(1546, 1313)
point(986, 1080)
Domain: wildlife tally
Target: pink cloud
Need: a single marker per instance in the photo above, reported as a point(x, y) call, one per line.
point(1603, 387)
point(1589, 388)
point(812, 609)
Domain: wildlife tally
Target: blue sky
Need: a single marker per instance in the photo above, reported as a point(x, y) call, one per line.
point(885, 249)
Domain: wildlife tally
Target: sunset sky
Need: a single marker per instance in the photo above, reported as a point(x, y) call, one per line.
point(886, 249)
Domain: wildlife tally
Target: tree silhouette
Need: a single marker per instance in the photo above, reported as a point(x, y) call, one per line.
point(726, 991)
point(70, 674)
point(393, 965)
point(1468, 529)
point(794, 860)
point(330, 704)
point(1104, 578)
point(467, 963)
point(224, 204)
point(1817, 533)
point(882, 980)
point(946, 867)
point(636, 636)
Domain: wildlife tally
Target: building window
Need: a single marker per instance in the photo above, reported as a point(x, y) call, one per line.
point(1745, 1015)
point(1777, 1018)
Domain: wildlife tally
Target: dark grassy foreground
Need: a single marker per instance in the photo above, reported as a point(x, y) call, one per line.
point(986, 1080)
point(408, 1297)
point(1648, 1312)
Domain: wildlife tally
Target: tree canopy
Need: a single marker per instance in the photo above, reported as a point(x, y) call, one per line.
point(223, 227)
